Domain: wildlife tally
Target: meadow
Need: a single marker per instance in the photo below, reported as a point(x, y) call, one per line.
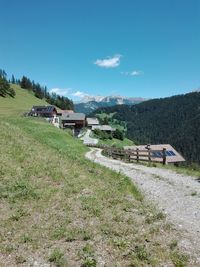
point(58, 208)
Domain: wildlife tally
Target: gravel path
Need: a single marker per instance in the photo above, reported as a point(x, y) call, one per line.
point(177, 195)
point(87, 140)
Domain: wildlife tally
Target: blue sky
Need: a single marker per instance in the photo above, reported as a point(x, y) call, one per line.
point(147, 48)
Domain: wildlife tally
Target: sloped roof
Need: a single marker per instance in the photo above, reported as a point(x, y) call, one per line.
point(43, 109)
point(67, 111)
point(172, 155)
point(73, 116)
point(103, 128)
point(92, 121)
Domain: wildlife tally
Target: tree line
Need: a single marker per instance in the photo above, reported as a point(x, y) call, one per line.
point(173, 120)
point(38, 90)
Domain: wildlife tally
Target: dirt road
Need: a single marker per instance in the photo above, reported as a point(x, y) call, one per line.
point(177, 195)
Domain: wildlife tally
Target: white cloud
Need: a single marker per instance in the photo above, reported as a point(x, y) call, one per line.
point(69, 92)
point(79, 94)
point(132, 73)
point(60, 91)
point(84, 97)
point(74, 94)
point(136, 73)
point(109, 62)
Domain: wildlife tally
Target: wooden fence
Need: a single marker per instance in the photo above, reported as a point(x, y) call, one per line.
point(130, 155)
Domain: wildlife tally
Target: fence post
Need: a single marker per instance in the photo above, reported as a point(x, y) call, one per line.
point(164, 156)
point(128, 155)
point(149, 154)
point(137, 151)
point(120, 154)
point(110, 152)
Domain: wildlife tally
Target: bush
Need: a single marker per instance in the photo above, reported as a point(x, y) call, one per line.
point(118, 135)
point(57, 257)
point(102, 135)
point(89, 262)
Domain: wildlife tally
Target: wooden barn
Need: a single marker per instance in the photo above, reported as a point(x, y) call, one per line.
point(74, 121)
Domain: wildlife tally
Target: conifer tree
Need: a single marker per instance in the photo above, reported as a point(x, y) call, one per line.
point(13, 79)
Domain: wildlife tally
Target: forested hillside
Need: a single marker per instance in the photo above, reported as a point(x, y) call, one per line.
point(174, 120)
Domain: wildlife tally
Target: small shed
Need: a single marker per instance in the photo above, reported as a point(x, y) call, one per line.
point(105, 128)
point(92, 122)
point(172, 156)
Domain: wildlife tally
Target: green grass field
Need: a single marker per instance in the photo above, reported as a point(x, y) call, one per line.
point(60, 209)
point(117, 142)
point(23, 102)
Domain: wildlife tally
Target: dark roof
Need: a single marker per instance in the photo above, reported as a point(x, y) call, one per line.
point(73, 117)
point(43, 109)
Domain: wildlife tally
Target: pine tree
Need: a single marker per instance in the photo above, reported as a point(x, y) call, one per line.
point(3, 74)
point(13, 79)
point(26, 83)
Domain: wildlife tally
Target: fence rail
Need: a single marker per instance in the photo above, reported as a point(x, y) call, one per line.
point(130, 155)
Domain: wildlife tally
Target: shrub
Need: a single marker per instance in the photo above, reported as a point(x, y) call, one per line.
point(179, 259)
point(102, 135)
point(57, 257)
point(89, 262)
point(118, 134)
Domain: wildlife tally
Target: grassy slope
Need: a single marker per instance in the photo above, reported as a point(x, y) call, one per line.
point(23, 101)
point(117, 142)
point(57, 206)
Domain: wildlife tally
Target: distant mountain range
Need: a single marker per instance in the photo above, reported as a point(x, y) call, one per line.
point(91, 103)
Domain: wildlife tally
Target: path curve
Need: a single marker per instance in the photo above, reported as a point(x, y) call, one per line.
point(87, 140)
point(177, 195)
